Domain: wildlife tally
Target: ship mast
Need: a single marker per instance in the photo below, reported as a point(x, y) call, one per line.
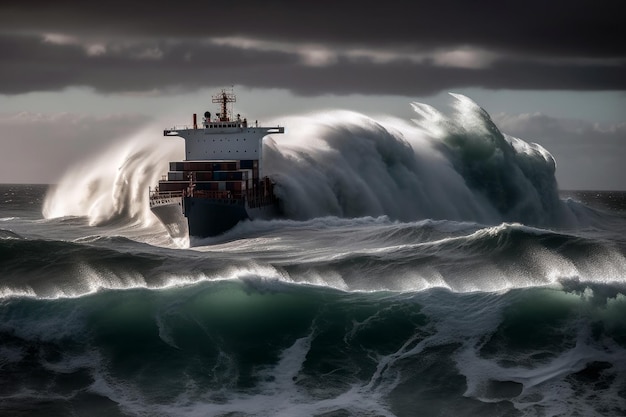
point(224, 98)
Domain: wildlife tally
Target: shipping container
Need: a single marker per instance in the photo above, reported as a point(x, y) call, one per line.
point(228, 166)
point(176, 166)
point(207, 185)
point(175, 176)
point(235, 185)
point(204, 176)
point(231, 175)
point(172, 186)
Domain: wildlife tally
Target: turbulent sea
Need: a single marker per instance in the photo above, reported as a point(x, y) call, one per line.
point(422, 268)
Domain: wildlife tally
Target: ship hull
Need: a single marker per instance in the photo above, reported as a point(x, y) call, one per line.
point(201, 217)
point(170, 213)
point(208, 217)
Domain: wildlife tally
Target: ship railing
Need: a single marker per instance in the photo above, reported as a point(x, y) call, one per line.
point(162, 195)
point(257, 199)
point(180, 127)
point(254, 199)
point(226, 197)
point(226, 124)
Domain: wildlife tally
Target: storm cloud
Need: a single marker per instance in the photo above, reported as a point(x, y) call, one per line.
point(400, 48)
point(587, 154)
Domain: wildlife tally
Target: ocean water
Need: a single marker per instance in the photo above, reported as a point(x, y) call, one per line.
point(422, 268)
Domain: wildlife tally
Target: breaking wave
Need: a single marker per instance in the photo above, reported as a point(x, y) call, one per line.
point(114, 186)
point(253, 348)
point(339, 163)
point(457, 167)
point(352, 255)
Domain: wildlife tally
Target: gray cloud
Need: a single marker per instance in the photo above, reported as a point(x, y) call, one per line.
point(587, 154)
point(577, 27)
point(40, 147)
point(406, 48)
point(31, 63)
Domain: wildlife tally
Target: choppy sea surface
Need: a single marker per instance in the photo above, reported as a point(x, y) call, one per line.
point(384, 291)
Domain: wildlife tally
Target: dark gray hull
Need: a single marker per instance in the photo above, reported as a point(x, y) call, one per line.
point(171, 215)
point(208, 217)
point(202, 217)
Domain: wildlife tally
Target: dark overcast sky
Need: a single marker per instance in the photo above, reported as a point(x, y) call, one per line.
point(402, 48)
point(109, 67)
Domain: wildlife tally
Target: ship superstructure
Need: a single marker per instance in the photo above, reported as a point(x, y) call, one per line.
point(221, 180)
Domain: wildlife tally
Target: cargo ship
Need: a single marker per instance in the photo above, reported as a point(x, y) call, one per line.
point(221, 180)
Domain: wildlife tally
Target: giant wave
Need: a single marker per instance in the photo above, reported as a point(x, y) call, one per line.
point(338, 163)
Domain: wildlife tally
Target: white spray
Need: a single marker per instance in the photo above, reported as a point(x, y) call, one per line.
point(339, 163)
point(114, 185)
point(458, 167)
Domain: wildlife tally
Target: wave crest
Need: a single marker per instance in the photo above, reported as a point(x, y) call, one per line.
point(339, 163)
point(113, 186)
point(456, 167)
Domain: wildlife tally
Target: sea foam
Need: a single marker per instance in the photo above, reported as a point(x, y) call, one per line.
point(114, 186)
point(339, 163)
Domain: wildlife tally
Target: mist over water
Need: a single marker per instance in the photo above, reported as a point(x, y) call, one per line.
point(340, 163)
point(114, 186)
point(456, 167)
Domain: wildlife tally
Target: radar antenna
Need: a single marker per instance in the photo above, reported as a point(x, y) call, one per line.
point(224, 98)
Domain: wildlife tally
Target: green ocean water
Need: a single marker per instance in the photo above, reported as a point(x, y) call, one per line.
point(287, 318)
